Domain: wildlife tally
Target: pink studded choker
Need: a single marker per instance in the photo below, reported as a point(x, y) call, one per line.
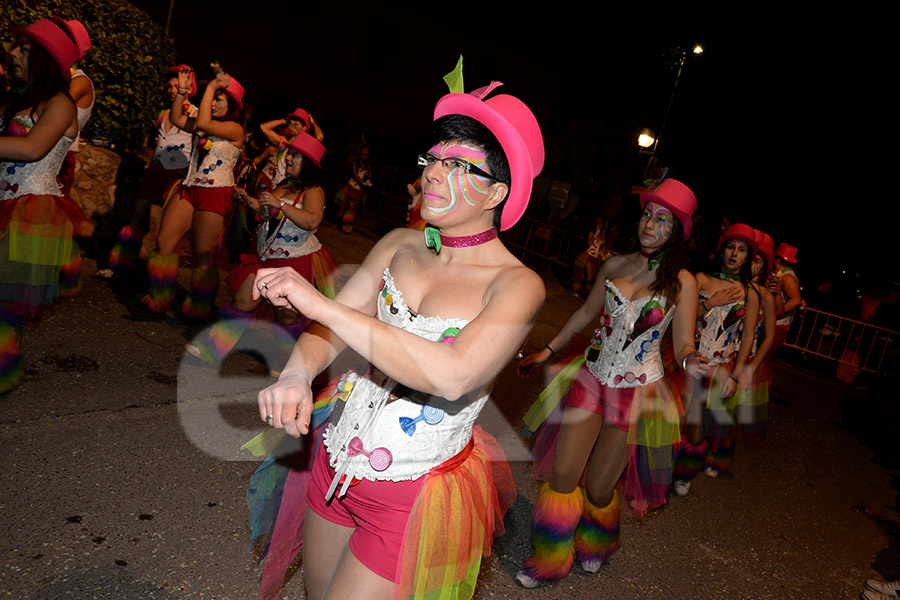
point(434, 239)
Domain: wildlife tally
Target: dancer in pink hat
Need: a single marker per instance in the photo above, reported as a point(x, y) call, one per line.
point(279, 132)
point(785, 287)
point(39, 260)
point(593, 416)
point(403, 497)
point(726, 321)
point(205, 202)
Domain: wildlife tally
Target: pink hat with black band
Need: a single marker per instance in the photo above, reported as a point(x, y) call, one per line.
point(174, 71)
point(236, 91)
point(308, 146)
point(54, 40)
point(514, 126)
point(675, 196)
point(740, 232)
point(300, 115)
point(77, 32)
point(787, 253)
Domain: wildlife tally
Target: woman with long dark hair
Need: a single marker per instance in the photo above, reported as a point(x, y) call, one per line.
point(291, 213)
point(620, 395)
point(728, 310)
point(37, 125)
point(205, 202)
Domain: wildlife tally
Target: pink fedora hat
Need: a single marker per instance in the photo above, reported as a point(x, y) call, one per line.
point(514, 126)
point(236, 91)
point(300, 115)
point(54, 40)
point(308, 146)
point(78, 32)
point(675, 196)
point(173, 70)
point(740, 232)
point(787, 253)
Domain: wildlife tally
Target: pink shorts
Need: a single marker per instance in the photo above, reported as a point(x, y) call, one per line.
point(588, 393)
point(377, 510)
point(219, 200)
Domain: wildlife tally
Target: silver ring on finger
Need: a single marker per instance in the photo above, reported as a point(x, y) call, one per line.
point(265, 285)
point(270, 417)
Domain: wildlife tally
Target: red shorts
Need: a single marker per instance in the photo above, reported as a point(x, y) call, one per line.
point(588, 393)
point(219, 200)
point(157, 181)
point(377, 510)
point(249, 264)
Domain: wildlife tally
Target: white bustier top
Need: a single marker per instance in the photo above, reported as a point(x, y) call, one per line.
point(418, 431)
point(720, 331)
point(173, 149)
point(624, 352)
point(217, 169)
point(279, 237)
point(38, 177)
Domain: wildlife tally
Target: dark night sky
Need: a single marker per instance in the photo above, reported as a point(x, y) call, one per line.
point(767, 127)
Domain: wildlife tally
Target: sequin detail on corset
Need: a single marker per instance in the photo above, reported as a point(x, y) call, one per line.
point(217, 169)
point(719, 331)
point(38, 177)
point(378, 420)
point(624, 351)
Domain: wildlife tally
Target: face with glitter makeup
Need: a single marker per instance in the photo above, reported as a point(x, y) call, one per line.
point(656, 226)
point(757, 266)
point(468, 188)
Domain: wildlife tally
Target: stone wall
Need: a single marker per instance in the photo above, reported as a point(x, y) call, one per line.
point(94, 186)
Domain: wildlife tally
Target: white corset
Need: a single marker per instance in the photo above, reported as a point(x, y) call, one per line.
point(720, 331)
point(371, 415)
point(217, 169)
point(621, 356)
point(38, 177)
point(173, 149)
point(282, 238)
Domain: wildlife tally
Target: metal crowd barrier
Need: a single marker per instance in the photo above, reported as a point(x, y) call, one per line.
point(847, 341)
point(532, 237)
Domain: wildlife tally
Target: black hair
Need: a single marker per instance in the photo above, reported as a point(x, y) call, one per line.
point(44, 80)
point(234, 113)
point(460, 128)
point(673, 257)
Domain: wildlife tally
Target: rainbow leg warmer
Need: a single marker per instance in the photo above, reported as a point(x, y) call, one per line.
point(10, 356)
point(123, 258)
point(553, 534)
point(201, 298)
point(597, 534)
point(721, 455)
point(70, 274)
point(225, 334)
point(161, 271)
point(688, 459)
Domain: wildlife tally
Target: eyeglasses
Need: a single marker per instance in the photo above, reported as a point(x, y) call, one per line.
point(450, 163)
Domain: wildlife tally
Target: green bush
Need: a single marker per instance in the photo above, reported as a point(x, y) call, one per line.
point(128, 59)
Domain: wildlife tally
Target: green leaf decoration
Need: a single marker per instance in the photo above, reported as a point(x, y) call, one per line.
point(454, 79)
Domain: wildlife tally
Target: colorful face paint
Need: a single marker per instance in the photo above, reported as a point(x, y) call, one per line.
point(661, 221)
point(470, 187)
point(757, 266)
point(734, 255)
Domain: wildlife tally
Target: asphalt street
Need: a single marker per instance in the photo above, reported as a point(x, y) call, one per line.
point(123, 478)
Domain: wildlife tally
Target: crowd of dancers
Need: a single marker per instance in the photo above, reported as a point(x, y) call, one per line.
point(679, 364)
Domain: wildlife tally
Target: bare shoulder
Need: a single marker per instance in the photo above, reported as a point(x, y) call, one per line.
point(520, 283)
point(688, 285)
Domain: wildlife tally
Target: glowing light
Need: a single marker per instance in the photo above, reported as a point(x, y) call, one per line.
point(698, 49)
point(646, 139)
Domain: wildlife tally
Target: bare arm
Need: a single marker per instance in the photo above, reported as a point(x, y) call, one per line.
point(317, 131)
point(226, 130)
point(268, 128)
point(767, 304)
point(57, 118)
point(683, 325)
point(81, 91)
point(748, 328)
point(310, 216)
point(177, 116)
point(791, 288)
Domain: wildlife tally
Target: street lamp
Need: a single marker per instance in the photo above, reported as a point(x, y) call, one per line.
point(646, 138)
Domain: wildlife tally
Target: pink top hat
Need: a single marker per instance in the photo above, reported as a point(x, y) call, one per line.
point(741, 233)
point(78, 32)
point(51, 38)
point(787, 253)
point(677, 197)
point(300, 115)
point(514, 126)
point(236, 91)
point(765, 248)
point(174, 71)
point(308, 146)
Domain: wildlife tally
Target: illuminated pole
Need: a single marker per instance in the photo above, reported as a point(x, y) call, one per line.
point(169, 18)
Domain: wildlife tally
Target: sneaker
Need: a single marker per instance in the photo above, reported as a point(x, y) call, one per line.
point(711, 471)
point(868, 594)
point(591, 566)
point(681, 487)
point(527, 581)
point(891, 588)
point(193, 350)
